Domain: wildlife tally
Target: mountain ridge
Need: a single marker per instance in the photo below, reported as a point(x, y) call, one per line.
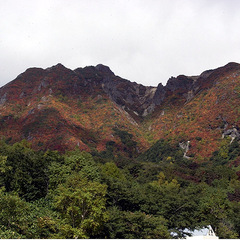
point(60, 108)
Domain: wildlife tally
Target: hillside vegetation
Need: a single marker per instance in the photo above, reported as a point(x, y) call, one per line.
point(83, 195)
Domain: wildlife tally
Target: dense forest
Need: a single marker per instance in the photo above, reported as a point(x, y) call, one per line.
point(157, 194)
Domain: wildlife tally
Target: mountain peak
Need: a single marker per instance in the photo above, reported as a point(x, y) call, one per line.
point(57, 67)
point(233, 64)
point(104, 69)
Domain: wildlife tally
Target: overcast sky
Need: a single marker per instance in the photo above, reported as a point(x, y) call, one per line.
point(146, 41)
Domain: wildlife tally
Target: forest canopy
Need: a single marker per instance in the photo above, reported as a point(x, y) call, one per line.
point(158, 194)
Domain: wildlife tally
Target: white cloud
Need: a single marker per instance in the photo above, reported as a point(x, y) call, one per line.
point(143, 41)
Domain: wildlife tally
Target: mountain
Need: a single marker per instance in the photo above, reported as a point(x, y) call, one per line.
point(163, 160)
point(88, 108)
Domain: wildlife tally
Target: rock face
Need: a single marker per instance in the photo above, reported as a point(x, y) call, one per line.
point(132, 97)
point(185, 147)
point(233, 133)
point(159, 95)
point(142, 101)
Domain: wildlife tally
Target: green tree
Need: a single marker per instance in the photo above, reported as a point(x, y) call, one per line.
point(216, 209)
point(83, 163)
point(180, 206)
point(58, 173)
point(123, 191)
point(76, 162)
point(138, 225)
point(81, 204)
point(13, 216)
point(162, 151)
point(44, 220)
point(24, 171)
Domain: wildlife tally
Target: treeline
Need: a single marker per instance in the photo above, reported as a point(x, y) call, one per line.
point(107, 195)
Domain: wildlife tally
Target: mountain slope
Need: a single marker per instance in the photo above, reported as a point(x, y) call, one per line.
point(59, 108)
point(211, 113)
